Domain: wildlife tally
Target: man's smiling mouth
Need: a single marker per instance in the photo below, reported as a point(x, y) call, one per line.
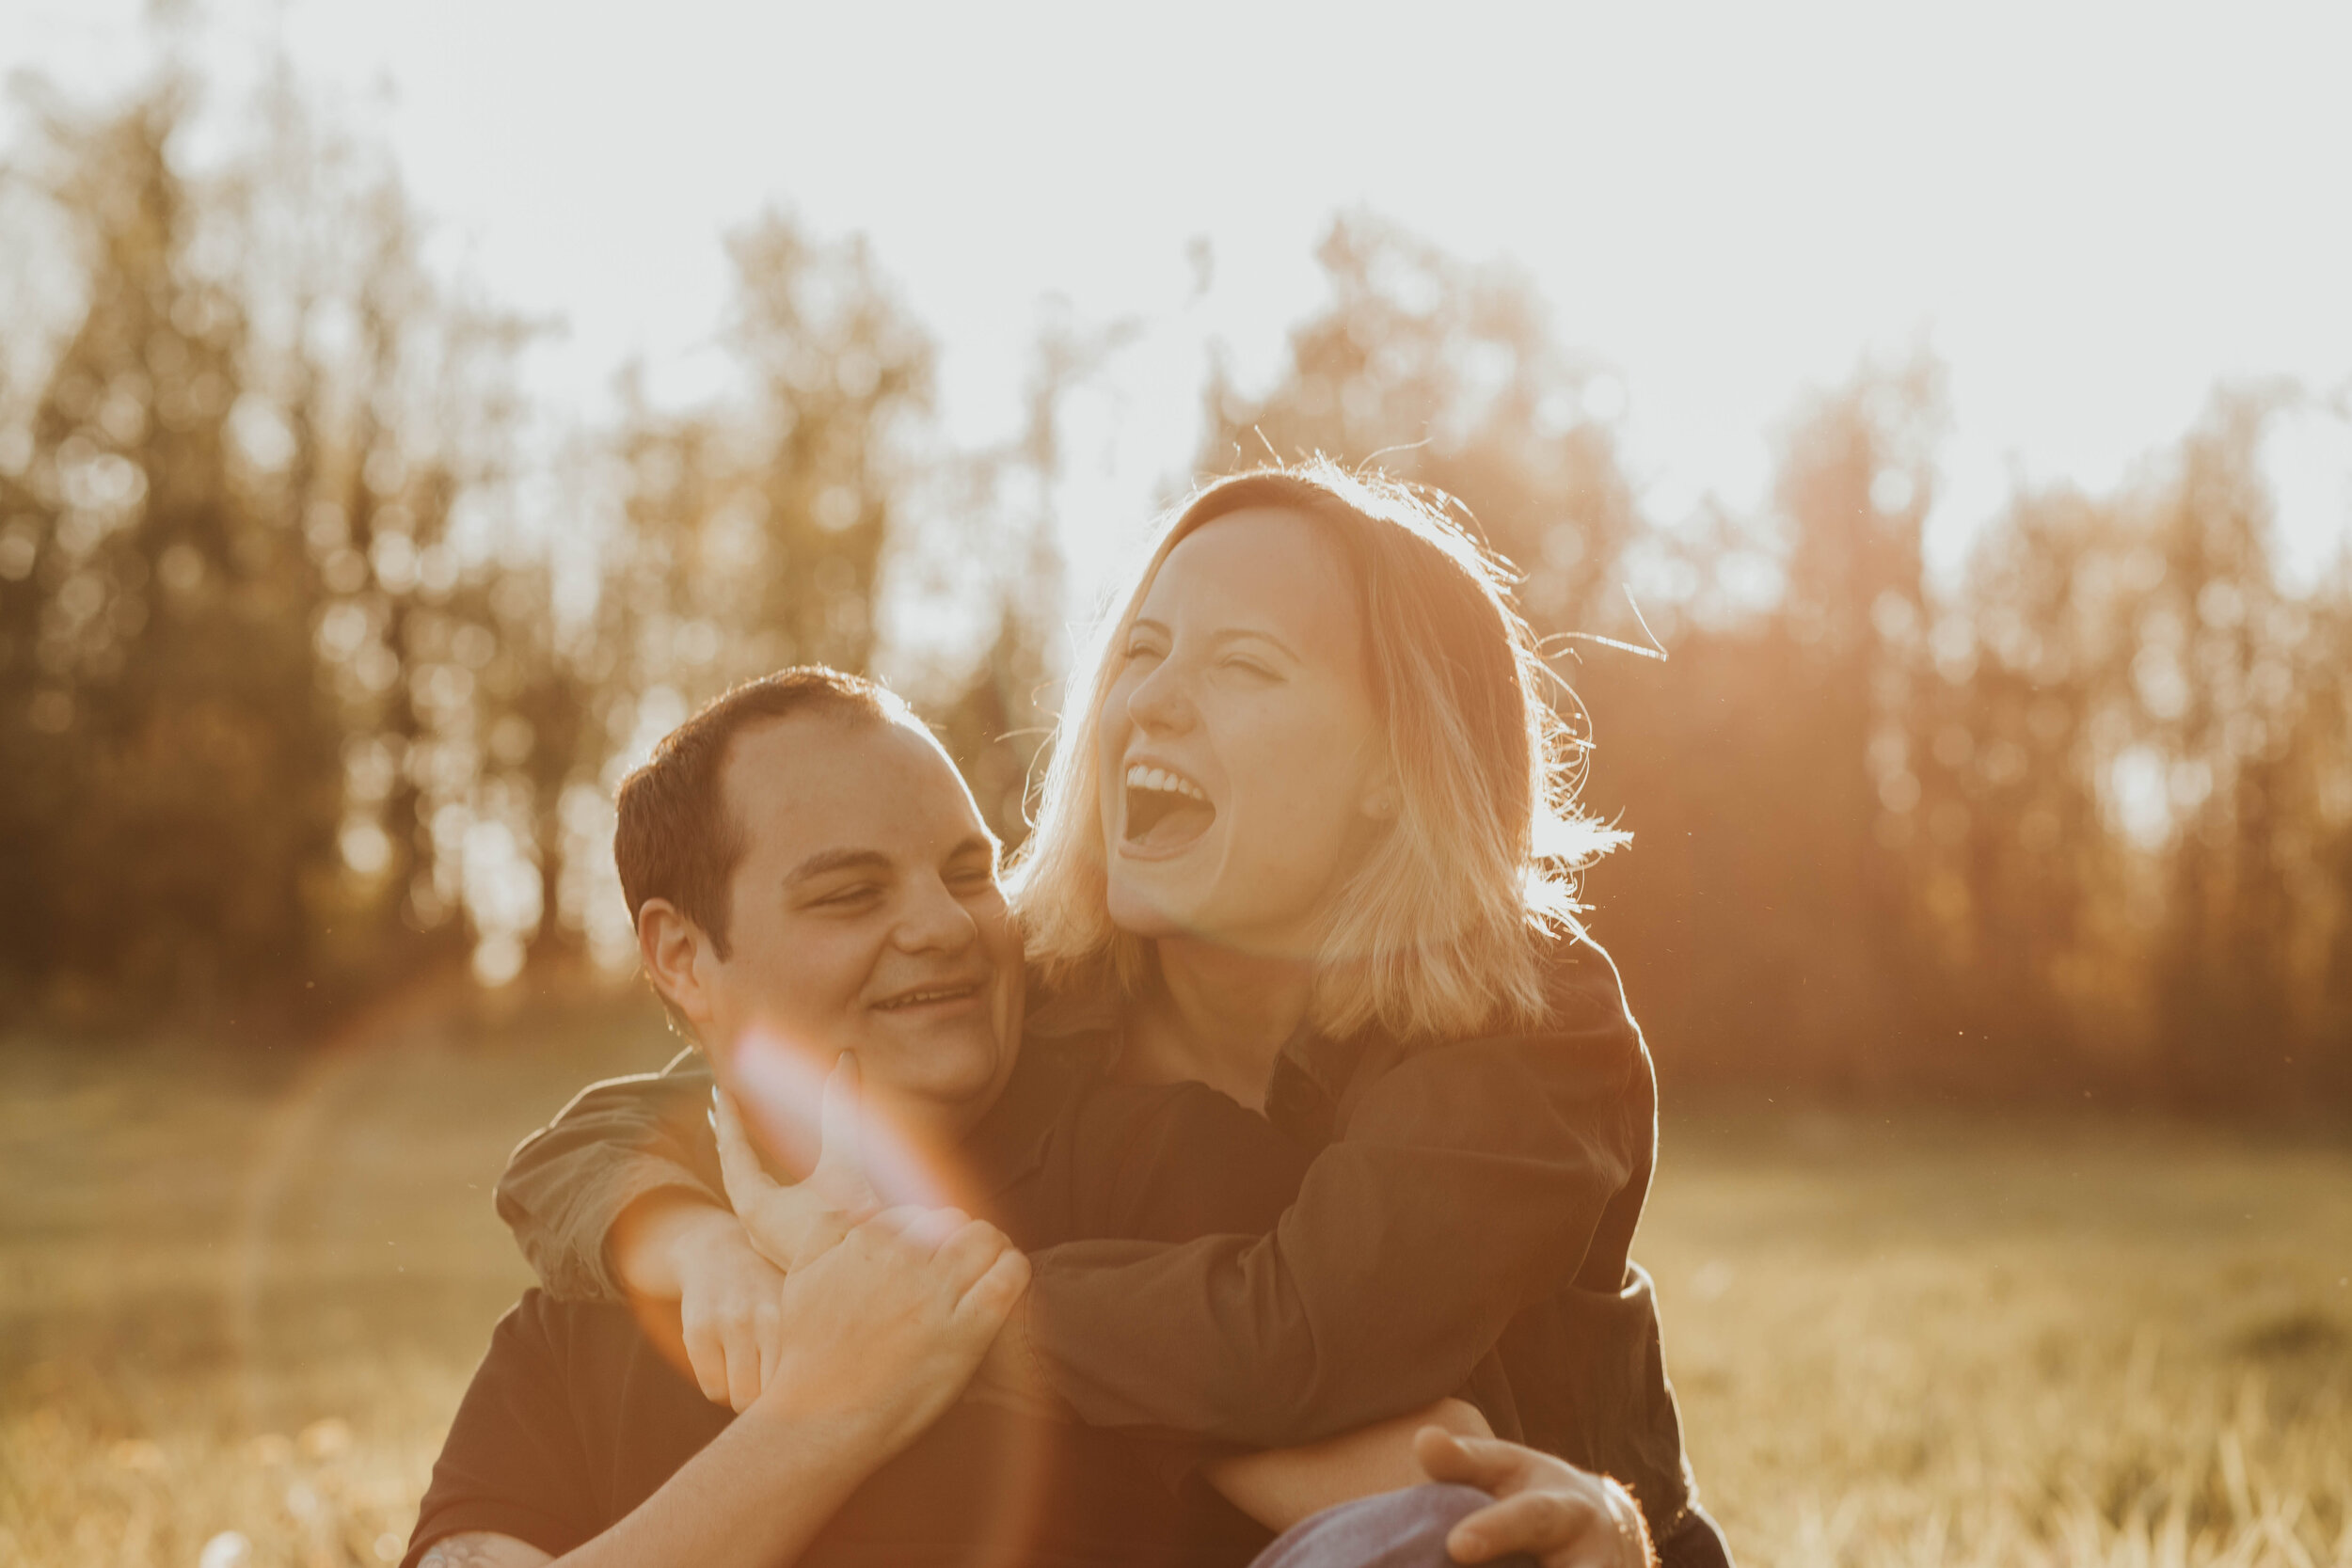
point(1165, 810)
point(929, 995)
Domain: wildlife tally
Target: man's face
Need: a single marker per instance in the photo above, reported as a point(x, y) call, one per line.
point(865, 916)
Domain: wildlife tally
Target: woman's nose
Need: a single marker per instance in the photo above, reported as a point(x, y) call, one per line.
point(1161, 701)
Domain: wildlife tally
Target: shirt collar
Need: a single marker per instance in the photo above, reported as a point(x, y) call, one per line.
point(1009, 1141)
point(1305, 1089)
point(1309, 1085)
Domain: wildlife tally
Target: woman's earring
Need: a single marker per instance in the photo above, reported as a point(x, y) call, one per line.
point(1382, 805)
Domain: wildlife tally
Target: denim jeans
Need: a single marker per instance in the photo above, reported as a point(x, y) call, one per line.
point(1393, 1529)
point(1408, 1529)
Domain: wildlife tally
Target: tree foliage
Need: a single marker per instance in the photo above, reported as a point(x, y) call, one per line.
point(294, 707)
point(299, 702)
point(2082, 825)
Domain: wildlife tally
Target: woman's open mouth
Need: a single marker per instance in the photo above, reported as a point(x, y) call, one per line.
point(1165, 811)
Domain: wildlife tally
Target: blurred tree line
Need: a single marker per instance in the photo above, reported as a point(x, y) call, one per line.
point(2081, 829)
point(298, 706)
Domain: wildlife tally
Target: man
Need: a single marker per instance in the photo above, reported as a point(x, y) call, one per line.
point(814, 889)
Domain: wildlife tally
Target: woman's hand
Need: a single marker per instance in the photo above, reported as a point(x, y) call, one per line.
point(886, 1328)
point(790, 1226)
point(730, 1308)
point(673, 1247)
point(1562, 1516)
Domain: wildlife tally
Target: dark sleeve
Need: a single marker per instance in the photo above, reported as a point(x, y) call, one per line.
point(616, 1141)
point(512, 1464)
point(1468, 1181)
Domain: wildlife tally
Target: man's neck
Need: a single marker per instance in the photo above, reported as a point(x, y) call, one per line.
point(1219, 1016)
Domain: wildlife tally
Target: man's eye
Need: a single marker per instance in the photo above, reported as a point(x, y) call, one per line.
point(862, 893)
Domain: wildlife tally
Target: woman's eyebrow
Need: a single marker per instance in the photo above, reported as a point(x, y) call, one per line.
point(1222, 638)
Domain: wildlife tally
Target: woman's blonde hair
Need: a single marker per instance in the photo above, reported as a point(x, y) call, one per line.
point(1436, 933)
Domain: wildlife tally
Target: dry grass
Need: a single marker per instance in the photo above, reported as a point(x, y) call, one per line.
point(237, 1297)
point(1920, 1343)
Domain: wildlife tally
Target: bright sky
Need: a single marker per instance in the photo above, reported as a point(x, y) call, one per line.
point(2089, 212)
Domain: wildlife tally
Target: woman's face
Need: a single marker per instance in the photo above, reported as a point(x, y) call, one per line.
point(1240, 755)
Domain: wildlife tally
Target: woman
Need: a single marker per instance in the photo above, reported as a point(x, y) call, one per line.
point(1307, 839)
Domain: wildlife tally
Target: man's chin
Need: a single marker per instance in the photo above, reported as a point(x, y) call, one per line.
point(944, 1067)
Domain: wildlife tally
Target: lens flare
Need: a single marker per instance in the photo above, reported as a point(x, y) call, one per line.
point(780, 1088)
point(1000, 1501)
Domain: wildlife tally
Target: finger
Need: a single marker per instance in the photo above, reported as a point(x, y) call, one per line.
point(706, 1355)
point(1445, 1456)
point(841, 1128)
point(790, 1231)
point(770, 1339)
point(968, 1253)
point(1637, 1549)
point(1484, 1462)
point(930, 1228)
point(1558, 1526)
point(745, 1177)
point(891, 1224)
point(742, 1366)
point(991, 1298)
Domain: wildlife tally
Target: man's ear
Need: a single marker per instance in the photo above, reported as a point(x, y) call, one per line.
point(679, 957)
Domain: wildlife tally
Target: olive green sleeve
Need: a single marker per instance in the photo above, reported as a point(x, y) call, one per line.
point(618, 1140)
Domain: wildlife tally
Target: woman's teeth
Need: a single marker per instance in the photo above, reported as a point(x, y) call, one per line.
point(1141, 777)
point(1165, 810)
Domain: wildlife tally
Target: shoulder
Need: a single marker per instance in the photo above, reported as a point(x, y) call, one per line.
point(689, 1064)
point(685, 1080)
point(1585, 1017)
point(1583, 992)
point(567, 1345)
point(1586, 1048)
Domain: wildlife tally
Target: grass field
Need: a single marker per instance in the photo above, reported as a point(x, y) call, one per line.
point(245, 1296)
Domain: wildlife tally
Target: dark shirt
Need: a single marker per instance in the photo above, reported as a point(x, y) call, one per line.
point(1464, 1227)
point(576, 1415)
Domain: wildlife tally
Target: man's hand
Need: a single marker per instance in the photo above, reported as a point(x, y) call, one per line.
point(886, 1328)
point(792, 1226)
point(883, 1330)
point(1563, 1517)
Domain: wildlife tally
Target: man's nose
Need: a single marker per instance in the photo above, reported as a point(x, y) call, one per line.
point(936, 921)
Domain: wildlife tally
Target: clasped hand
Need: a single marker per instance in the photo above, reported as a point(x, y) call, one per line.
point(1544, 1507)
point(791, 1225)
point(823, 1297)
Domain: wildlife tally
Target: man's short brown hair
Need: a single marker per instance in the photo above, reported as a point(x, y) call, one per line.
point(675, 838)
